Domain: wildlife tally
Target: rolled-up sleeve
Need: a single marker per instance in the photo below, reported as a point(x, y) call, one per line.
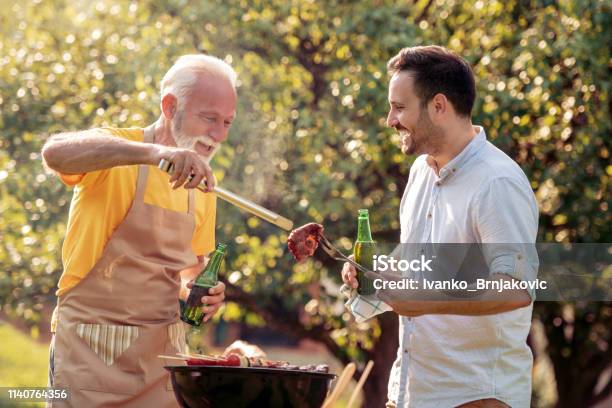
point(506, 221)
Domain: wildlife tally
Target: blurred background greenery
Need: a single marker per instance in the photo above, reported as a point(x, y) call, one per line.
point(310, 143)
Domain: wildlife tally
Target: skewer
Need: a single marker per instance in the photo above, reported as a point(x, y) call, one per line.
point(171, 357)
point(201, 356)
point(343, 381)
point(362, 380)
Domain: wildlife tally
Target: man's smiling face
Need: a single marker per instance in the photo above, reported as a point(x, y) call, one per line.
point(418, 134)
point(202, 123)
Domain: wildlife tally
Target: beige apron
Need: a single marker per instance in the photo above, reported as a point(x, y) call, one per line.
point(115, 322)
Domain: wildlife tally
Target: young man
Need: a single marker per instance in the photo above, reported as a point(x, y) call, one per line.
point(461, 189)
point(132, 236)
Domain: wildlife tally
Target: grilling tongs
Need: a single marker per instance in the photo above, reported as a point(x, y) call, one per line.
point(335, 253)
point(240, 202)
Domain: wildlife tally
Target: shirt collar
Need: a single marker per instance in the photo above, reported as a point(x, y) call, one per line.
point(464, 156)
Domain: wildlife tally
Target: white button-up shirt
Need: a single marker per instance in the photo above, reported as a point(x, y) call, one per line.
point(446, 360)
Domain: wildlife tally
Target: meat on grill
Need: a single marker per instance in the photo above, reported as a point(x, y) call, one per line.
point(303, 241)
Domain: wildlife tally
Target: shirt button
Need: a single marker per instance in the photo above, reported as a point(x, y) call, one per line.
point(519, 257)
point(429, 215)
point(438, 183)
point(406, 350)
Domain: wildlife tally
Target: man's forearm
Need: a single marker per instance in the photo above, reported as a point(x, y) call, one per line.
point(90, 150)
point(419, 302)
point(458, 307)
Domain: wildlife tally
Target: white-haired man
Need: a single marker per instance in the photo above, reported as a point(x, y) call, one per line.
point(134, 240)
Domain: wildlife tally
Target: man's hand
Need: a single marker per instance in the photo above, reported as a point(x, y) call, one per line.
point(189, 168)
point(213, 301)
point(349, 274)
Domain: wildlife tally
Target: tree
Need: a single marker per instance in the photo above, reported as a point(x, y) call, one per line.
point(310, 140)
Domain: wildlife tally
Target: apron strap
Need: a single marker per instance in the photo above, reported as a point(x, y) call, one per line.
point(143, 169)
point(149, 134)
point(191, 203)
point(141, 184)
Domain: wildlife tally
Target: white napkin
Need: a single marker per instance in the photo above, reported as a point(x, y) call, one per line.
point(363, 307)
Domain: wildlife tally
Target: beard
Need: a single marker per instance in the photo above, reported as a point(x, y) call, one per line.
point(184, 141)
point(425, 137)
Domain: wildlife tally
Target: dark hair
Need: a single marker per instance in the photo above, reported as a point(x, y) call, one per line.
point(438, 70)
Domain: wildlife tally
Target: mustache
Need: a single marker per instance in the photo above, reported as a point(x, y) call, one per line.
point(204, 139)
point(193, 140)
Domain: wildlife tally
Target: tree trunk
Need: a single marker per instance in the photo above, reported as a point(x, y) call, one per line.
point(576, 354)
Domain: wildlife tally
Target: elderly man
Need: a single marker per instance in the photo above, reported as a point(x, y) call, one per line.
point(134, 240)
point(461, 189)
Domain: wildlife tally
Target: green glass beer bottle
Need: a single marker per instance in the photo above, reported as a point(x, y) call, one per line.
point(192, 311)
point(364, 251)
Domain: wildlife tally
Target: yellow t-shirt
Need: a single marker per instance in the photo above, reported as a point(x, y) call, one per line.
point(101, 201)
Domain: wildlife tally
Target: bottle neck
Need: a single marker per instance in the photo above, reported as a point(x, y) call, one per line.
point(215, 261)
point(209, 274)
point(363, 229)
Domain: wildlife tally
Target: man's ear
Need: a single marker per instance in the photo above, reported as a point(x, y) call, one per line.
point(438, 107)
point(168, 106)
point(440, 104)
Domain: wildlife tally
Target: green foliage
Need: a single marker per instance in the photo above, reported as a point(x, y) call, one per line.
point(309, 140)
